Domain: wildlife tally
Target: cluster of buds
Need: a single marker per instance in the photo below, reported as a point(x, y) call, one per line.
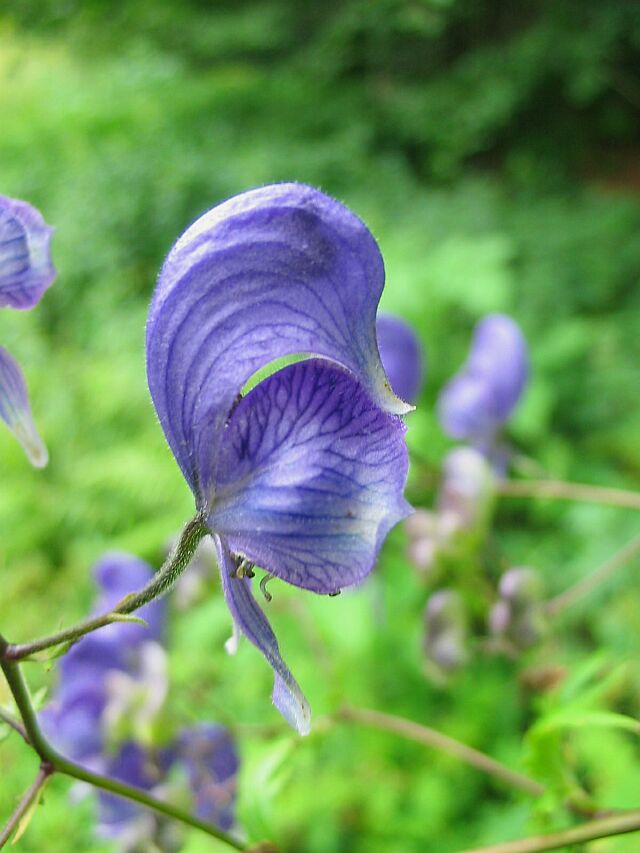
point(446, 634)
point(463, 505)
point(105, 714)
point(517, 619)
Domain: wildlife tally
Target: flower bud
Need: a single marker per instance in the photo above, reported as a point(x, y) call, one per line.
point(467, 488)
point(445, 642)
point(518, 615)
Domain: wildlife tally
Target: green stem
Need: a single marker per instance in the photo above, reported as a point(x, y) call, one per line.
point(25, 803)
point(444, 743)
point(159, 584)
point(603, 828)
point(59, 763)
point(560, 490)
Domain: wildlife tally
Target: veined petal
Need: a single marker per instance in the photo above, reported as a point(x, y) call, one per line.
point(311, 476)
point(26, 269)
point(402, 356)
point(251, 621)
point(15, 410)
point(275, 271)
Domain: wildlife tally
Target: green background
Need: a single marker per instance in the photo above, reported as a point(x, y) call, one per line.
point(492, 147)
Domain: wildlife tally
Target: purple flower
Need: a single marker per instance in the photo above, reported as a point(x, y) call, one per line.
point(112, 687)
point(210, 759)
point(75, 720)
point(26, 271)
point(402, 356)
point(304, 475)
point(133, 765)
point(479, 400)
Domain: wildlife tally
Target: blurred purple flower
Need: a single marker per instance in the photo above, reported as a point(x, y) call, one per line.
point(75, 720)
point(479, 400)
point(209, 756)
point(402, 356)
point(446, 629)
point(463, 504)
point(113, 683)
point(304, 475)
point(518, 615)
point(26, 271)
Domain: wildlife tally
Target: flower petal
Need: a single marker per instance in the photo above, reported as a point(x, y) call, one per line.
point(480, 398)
point(26, 269)
point(402, 356)
point(15, 410)
point(465, 408)
point(251, 621)
point(275, 271)
point(311, 477)
point(210, 758)
point(499, 353)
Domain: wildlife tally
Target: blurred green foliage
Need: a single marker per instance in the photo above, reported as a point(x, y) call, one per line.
point(492, 148)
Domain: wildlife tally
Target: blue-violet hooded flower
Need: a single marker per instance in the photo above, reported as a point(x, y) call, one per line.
point(304, 475)
point(402, 356)
point(479, 400)
point(110, 693)
point(26, 271)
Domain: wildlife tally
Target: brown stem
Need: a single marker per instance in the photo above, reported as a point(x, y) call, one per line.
point(14, 724)
point(26, 802)
point(604, 828)
point(444, 743)
point(590, 582)
point(561, 490)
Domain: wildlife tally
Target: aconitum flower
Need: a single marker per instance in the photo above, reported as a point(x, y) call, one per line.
point(88, 695)
point(402, 356)
point(26, 271)
point(479, 400)
point(304, 475)
point(112, 687)
point(463, 505)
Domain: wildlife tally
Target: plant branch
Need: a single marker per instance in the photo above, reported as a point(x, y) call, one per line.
point(159, 584)
point(561, 490)
point(444, 743)
point(58, 763)
point(14, 724)
point(590, 582)
point(29, 798)
point(604, 828)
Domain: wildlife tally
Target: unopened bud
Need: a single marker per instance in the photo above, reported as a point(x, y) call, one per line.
point(446, 631)
point(518, 615)
point(467, 486)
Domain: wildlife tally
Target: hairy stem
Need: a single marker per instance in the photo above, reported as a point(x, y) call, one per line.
point(25, 803)
point(58, 763)
point(444, 743)
point(560, 490)
point(590, 582)
point(604, 828)
point(159, 584)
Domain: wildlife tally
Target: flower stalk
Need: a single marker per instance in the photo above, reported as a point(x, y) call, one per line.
point(193, 532)
point(607, 827)
point(53, 762)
